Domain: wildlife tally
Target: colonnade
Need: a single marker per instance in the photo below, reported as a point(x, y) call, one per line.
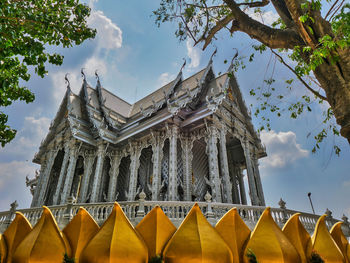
point(225, 178)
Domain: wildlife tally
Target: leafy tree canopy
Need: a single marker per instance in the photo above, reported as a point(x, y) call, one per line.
point(26, 28)
point(317, 40)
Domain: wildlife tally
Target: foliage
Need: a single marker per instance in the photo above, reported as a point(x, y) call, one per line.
point(26, 28)
point(156, 259)
point(310, 41)
point(67, 259)
point(251, 256)
point(315, 258)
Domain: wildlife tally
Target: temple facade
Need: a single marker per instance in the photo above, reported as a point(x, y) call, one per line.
point(190, 137)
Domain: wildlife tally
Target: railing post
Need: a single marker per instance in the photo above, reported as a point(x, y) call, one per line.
point(329, 218)
point(8, 219)
point(68, 215)
point(345, 226)
point(284, 218)
point(141, 211)
point(209, 214)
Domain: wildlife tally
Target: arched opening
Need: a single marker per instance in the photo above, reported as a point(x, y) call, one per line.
point(144, 179)
point(123, 178)
point(180, 172)
point(78, 175)
point(53, 178)
point(103, 195)
point(163, 193)
point(200, 170)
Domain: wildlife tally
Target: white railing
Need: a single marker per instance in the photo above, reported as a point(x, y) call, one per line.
point(175, 210)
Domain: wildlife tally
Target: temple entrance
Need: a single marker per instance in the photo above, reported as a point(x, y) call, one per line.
point(123, 179)
point(105, 180)
point(53, 179)
point(180, 172)
point(163, 193)
point(145, 173)
point(78, 175)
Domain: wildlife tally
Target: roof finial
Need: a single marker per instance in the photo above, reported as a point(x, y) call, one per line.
point(83, 74)
point(67, 81)
point(97, 76)
point(214, 53)
point(233, 58)
point(183, 65)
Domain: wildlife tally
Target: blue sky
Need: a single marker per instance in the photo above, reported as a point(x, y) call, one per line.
point(134, 57)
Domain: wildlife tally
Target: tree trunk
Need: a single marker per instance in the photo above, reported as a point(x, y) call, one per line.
point(335, 80)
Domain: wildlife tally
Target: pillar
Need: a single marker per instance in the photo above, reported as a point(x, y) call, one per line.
point(242, 188)
point(73, 156)
point(62, 175)
point(89, 158)
point(157, 149)
point(224, 166)
point(212, 149)
point(96, 184)
point(172, 187)
point(45, 176)
point(250, 173)
point(113, 175)
point(134, 169)
point(187, 156)
point(258, 180)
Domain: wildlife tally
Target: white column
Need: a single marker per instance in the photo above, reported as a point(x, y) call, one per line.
point(242, 188)
point(258, 180)
point(134, 169)
point(96, 185)
point(113, 175)
point(46, 175)
point(187, 156)
point(61, 178)
point(250, 173)
point(157, 148)
point(212, 149)
point(89, 158)
point(224, 166)
point(172, 187)
point(73, 155)
point(44, 163)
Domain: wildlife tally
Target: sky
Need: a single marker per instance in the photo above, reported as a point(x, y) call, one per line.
point(133, 58)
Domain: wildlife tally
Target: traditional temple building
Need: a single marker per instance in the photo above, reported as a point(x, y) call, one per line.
point(190, 137)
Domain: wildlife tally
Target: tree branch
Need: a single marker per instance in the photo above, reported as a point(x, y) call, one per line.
point(317, 94)
point(273, 38)
point(255, 4)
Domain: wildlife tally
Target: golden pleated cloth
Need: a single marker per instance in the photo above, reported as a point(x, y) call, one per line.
point(3, 249)
point(299, 237)
point(80, 231)
point(196, 241)
point(269, 244)
point(324, 245)
point(235, 232)
point(15, 233)
point(156, 229)
point(45, 243)
point(116, 241)
point(340, 239)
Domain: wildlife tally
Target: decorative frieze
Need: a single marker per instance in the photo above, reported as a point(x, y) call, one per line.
point(113, 177)
point(187, 157)
point(89, 158)
point(96, 184)
point(134, 167)
point(172, 187)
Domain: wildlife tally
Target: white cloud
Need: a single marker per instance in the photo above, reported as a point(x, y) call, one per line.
point(164, 79)
point(193, 53)
point(282, 149)
point(109, 35)
point(12, 184)
point(266, 18)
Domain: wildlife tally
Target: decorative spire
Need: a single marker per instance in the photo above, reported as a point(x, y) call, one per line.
point(212, 55)
point(83, 74)
point(233, 58)
point(67, 81)
point(183, 65)
point(97, 77)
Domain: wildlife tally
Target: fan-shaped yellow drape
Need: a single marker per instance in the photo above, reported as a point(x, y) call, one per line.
point(15, 233)
point(3, 249)
point(156, 229)
point(323, 243)
point(269, 244)
point(115, 242)
point(80, 231)
point(299, 237)
point(45, 243)
point(340, 240)
point(196, 241)
point(235, 232)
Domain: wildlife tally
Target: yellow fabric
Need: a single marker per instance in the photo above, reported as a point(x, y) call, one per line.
point(3, 249)
point(268, 242)
point(299, 237)
point(116, 241)
point(196, 241)
point(156, 229)
point(80, 231)
point(235, 232)
point(15, 233)
point(45, 243)
point(323, 243)
point(340, 239)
